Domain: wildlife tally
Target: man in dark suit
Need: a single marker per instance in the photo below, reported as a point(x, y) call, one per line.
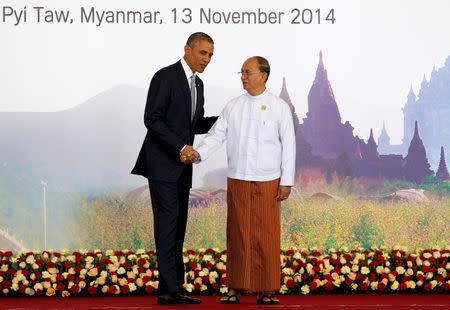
point(174, 113)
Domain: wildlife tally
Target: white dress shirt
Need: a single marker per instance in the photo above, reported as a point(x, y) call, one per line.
point(260, 138)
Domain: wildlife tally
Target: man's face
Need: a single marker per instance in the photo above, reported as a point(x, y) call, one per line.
point(252, 79)
point(198, 55)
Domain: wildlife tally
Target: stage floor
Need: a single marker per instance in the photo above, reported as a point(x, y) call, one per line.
point(410, 301)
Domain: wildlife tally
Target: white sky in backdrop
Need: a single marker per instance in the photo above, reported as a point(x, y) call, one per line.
point(373, 52)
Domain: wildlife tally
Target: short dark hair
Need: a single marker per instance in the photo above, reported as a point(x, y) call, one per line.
point(198, 36)
point(263, 65)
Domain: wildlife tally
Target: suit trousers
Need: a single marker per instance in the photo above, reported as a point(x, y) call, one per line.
point(170, 202)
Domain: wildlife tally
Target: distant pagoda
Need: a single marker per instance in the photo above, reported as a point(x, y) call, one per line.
point(442, 172)
point(417, 166)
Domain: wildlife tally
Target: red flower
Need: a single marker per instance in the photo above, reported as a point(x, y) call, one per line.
point(125, 289)
point(372, 277)
point(22, 288)
point(112, 289)
point(50, 265)
point(364, 286)
point(359, 277)
point(420, 277)
point(290, 283)
point(192, 265)
point(75, 289)
point(348, 281)
point(316, 269)
point(7, 254)
point(381, 286)
point(218, 255)
point(38, 274)
point(146, 279)
point(141, 261)
point(329, 286)
point(11, 272)
point(39, 261)
point(92, 290)
point(106, 261)
point(79, 279)
point(6, 284)
point(78, 268)
point(445, 287)
point(312, 285)
point(403, 286)
point(197, 286)
point(140, 270)
point(126, 265)
point(118, 253)
point(130, 280)
point(70, 278)
point(215, 286)
point(38, 292)
point(290, 252)
point(149, 289)
point(66, 264)
point(427, 287)
point(59, 277)
point(190, 252)
point(60, 287)
point(205, 279)
point(25, 272)
point(223, 280)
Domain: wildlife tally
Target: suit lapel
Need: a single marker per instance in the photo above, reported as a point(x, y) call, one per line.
point(181, 76)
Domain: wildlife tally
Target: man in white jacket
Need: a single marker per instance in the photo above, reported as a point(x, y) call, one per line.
point(259, 132)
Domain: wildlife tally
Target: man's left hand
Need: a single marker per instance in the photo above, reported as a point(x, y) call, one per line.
point(283, 192)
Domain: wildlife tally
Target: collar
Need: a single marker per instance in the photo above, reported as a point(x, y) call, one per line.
point(187, 70)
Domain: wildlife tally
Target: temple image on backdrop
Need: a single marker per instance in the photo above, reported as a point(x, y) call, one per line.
point(327, 147)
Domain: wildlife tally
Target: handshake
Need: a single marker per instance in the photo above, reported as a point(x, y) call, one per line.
point(188, 155)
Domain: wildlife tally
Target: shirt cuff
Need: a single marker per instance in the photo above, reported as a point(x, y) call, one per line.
point(183, 148)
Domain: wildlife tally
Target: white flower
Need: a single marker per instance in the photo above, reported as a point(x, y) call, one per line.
point(411, 284)
point(365, 270)
point(288, 271)
point(207, 258)
point(427, 255)
point(30, 260)
point(15, 286)
point(29, 291)
point(203, 288)
point(305, 289)
point(379, 269)
point(433, 283)
point(400, 270)
point(354, 286)
point(5, 291)
point(283, 289)
point(22, 265)
point(394, 285)
point(345, 270)
point(132, 287)
point(189, 287)
point(121, 270)
point(223, 289)
point(374, 285)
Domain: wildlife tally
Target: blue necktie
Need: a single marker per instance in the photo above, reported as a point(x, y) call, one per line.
point(193, 96)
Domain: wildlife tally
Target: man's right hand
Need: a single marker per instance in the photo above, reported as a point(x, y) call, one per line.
point(188, 155)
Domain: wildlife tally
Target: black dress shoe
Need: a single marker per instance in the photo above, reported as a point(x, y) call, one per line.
point(177, 298)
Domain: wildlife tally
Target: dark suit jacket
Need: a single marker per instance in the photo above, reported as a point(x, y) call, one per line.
point(168, 120)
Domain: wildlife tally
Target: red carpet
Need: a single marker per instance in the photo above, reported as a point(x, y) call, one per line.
point(383, 302)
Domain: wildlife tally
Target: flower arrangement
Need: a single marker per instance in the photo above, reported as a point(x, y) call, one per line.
point(83, 272)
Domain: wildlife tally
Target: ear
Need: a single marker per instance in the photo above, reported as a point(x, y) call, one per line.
point(187, 50)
